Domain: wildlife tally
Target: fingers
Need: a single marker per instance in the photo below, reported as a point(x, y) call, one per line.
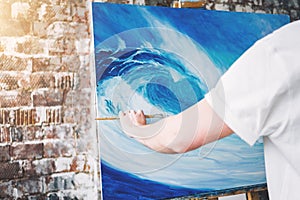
point(140, 112)
point(127, 113)
point(140, 118)
point(131, 112)
point(136, 117)
point(121, 114)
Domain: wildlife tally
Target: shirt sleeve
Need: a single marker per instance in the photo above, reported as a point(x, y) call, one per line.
point(242, 96)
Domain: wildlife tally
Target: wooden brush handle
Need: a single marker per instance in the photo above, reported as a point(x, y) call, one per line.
point(116, 118)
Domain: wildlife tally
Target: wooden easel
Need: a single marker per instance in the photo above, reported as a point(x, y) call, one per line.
point(188, 4)
point(254, 192)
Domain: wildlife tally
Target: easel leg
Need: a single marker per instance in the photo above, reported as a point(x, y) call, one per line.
point(252, 196)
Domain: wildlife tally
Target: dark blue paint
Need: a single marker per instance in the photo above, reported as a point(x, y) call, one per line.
point(121, 185)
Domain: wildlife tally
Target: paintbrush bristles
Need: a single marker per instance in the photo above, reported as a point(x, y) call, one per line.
point(116, 118)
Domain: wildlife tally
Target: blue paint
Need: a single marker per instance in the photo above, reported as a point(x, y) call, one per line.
point(132, 187)
point(157, 64)
point(225, 35)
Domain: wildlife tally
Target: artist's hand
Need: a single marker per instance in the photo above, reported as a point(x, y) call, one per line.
point(131, 119)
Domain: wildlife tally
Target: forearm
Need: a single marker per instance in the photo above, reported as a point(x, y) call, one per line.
point(188, 130)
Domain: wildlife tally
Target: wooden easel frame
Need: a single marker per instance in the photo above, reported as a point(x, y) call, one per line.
point(252, 193)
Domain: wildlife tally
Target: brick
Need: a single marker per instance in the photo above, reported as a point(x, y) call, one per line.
point(44, 166)
point(4, 135)
point(29, 133)
point(27, 151)
point(83, 46)
point(65, 81)
point(5, 8)
point(34, 10)
point(33, 133)
point(48, 14)
point(29, 186)
point(70, 63)
point(13, 81)
point(52, 64)
point(29, 169)
point(79, 163)
point(260, 11)
point(85, 80)
point(79, 3)
point(13, 99)
point(10, 170)
point(257, 2)
point(42, 80)
point(58, 132)
point(84, 180)
point(9, 82)
point(36, 197)
point(24, 82)
point(64, 45)
point(76, 78)
point(63, 13)
point(6, 189)
point(2, 46)
point(295, 14)
point(19, 10)
point(63, 164)
point(85, 111)
point(81, 30)
point(55, 149)
point(83, 99)
point(83, 144)
point(240, 8)
point(31, 46)
point(13, 63)
point(58, 12)
point(60, 182)
point(38, 168)
point(85, 62)
point(53, 116)
point(4, 116)
point(14, 28)
point(22, 117)
point(60, 30)
point(221, 7)
point(18, 117)
point(53, 196)
point(16, 134)
point(4, 153)
point(40, 29)
point(41, 64)
point(48, 98)
point(78, 194)
point(70, 114)
point(24, 91)
point(81, 15)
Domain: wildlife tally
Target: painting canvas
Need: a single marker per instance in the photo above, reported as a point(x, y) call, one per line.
point(163, 60)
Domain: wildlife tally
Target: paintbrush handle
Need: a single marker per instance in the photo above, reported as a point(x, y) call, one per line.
point(147, 116)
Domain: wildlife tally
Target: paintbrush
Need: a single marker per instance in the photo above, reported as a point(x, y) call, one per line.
point(147, 116)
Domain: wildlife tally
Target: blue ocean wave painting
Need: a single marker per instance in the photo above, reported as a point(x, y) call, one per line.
point(163, 60)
